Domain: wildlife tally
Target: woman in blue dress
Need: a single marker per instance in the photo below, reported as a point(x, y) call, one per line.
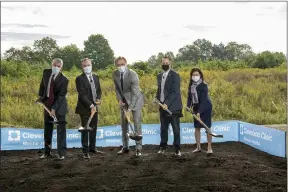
point(199, 100)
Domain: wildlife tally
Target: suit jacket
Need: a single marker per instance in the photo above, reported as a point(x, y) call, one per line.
point(60, 90)
point(131, 90)
point(85, 97)
point(172, 93)
point(203, 98)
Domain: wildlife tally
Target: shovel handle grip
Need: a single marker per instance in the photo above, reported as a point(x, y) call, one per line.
point(162, 106)
point(46, 108)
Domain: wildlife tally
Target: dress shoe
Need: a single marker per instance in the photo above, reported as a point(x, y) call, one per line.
point(161, 151)
point(61, 157)
point(178, 153)
point(95, 151)
point(138, 153)
point(86, 156)
point(45, 155)
point(123, 151)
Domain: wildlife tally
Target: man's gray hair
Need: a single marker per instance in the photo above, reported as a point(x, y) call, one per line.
point(58, 60)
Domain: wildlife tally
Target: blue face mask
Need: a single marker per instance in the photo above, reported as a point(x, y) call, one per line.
point(55, 70)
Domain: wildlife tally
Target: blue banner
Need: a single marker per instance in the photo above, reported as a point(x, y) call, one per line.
point(269, 140)
point(22, 138)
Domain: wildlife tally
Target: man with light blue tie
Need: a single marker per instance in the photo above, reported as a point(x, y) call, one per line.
point(89, 92)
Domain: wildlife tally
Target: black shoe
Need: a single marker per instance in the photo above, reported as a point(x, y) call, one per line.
point(161, 151)
point(138, 153)
point(45, 155)
point(95, 151)
point(123, 151)
point(178, 153)
point(86, 156)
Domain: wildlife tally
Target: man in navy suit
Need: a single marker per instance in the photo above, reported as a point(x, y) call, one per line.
point(169, 95)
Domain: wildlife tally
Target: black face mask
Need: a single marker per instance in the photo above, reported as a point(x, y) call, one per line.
point(165, 67)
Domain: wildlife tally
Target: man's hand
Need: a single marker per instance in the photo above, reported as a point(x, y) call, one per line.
point(129, 110)
point(165, 107)
point(93, 109)
point(98, 101)
point(38, 100)
point(121, 103)
point(52, 114)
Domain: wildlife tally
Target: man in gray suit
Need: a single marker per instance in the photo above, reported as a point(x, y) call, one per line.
point(130, 97)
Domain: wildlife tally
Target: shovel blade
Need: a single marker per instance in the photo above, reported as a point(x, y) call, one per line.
point(135, 137)
point(84, 129)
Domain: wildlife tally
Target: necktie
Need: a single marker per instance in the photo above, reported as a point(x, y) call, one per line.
point(51, 93)
point(93, 89)
point(121, 79)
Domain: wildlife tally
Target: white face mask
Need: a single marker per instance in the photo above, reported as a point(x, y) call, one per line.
point(87, 70)
point(196, 78)
point(122, 68)
point(55, 70)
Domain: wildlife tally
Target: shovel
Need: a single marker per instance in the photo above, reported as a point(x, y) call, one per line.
point(87, 128)
point(156, 101)
point(202, 123)
point(133, 134)
point(55, 121)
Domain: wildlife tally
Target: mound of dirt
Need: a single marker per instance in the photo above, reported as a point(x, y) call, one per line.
point(233, 167)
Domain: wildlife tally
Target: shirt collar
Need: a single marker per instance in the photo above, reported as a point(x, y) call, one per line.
point(166, 72)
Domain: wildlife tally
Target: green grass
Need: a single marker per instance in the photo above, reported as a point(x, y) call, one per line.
point(236, 94)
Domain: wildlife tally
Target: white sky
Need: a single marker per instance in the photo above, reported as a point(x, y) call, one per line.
point(138, 30)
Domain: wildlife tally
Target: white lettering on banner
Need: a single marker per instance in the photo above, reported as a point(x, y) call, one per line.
point(188, 130)
point(221, 128)
point(73, 135)
point(32, 143)
point(149, 132)
point(266, 136)
point(246, 139)
point(26, 135)
point(113, 133)
point(188, 137)
point(191, 130)
point(112, 140)
point(257, 134)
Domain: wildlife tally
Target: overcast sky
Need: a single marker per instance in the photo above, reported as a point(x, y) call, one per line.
point(140, 29)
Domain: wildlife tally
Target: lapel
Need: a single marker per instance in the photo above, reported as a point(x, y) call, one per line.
point(58, 77)
point(125, 77)
point(160, 79)
point(95, 81)
point(86, 80)
point(168, 79)
point(117, 79)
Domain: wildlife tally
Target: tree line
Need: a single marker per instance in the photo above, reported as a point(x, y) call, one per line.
point(97, 48)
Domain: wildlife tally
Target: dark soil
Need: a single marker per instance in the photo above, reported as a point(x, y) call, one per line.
point(233, 167)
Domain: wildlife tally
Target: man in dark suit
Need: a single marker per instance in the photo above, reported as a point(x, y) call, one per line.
point(52, 92)
point(89, 92)
point(169, 95)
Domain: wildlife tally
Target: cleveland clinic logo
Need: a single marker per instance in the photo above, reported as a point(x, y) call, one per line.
point(241, 129)
point(14, 135)
point(100, 134)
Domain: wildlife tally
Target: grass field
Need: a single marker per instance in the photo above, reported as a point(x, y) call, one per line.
point(237, 94)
